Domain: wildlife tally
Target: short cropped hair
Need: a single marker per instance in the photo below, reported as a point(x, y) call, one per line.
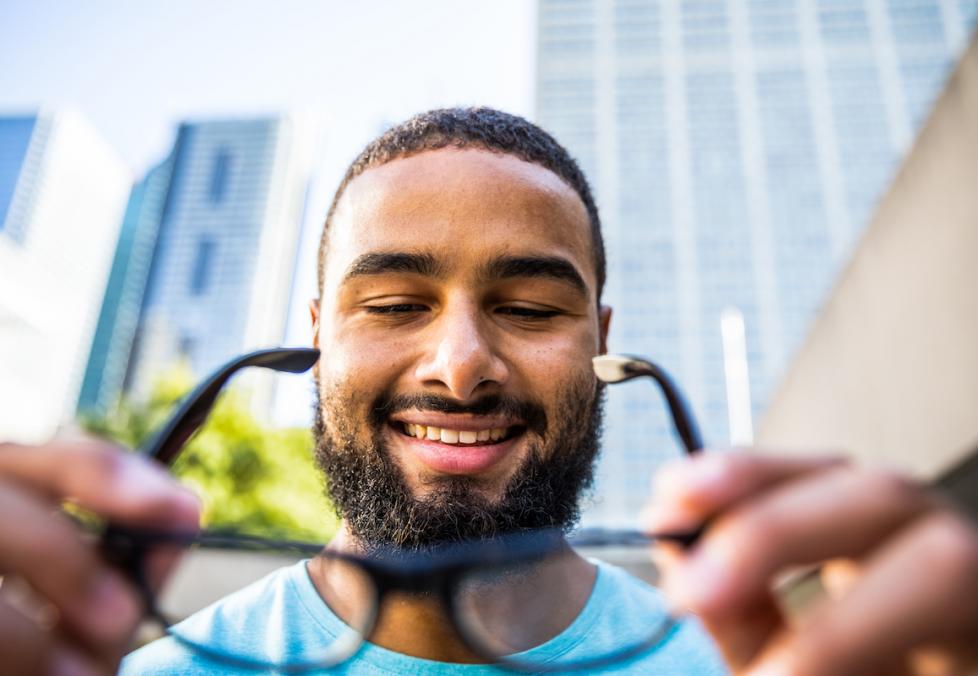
point(483, 128)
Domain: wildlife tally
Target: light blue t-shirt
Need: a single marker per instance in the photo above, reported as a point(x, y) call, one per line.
point(272, 620)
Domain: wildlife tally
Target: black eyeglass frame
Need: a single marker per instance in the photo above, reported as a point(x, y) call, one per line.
point(438, 570)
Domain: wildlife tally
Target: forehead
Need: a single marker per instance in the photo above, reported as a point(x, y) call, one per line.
point(462, 206)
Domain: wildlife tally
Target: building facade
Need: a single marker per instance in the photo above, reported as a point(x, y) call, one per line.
point(736, 149)
point(118, 321)
point(887, 372)
point(205, 265)
point(62, 196)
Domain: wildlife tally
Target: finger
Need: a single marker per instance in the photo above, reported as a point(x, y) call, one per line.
point(836, 513)
point(23, 644)
point(31, 649)
point(726, 578)
point(688, 492)
point(919, 589)
point(838, 576)
point(739, 636)
point(113, 483)
point(742, 635)
point(92, 599)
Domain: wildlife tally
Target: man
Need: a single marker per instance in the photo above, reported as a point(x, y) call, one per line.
point(461, 269)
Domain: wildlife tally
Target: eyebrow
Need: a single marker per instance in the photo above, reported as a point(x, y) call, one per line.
point(501, 267)
point(552, 267)
point(382, 263)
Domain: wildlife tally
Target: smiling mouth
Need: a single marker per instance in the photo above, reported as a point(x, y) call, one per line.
point(457, 437)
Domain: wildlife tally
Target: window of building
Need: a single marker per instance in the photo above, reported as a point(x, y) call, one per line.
point(186, 347)
point(201, 273)
point(219, 175)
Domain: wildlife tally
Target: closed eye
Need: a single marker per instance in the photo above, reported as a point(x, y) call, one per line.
point(396, 308)
point(526, 312)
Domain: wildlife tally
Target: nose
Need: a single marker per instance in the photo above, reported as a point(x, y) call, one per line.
point(462, 360)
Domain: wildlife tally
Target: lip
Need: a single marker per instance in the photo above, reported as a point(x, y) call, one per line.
point(454, 459)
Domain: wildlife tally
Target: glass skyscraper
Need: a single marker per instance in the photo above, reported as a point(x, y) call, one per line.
point(119, 318)
point(736, 149)
point(206, 260)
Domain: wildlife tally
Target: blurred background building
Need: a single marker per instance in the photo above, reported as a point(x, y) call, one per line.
point(206, 259)
point(736, 149)
point(62, 195)
point(122, 304)
point(888, 372)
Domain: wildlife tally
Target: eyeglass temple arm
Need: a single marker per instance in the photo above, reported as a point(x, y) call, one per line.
point(167, 443)
point(117, 544)
point(617, 368)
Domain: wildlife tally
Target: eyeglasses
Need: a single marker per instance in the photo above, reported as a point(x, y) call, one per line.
point(498, 593)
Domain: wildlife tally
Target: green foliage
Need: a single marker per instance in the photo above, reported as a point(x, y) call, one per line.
point(250, 478)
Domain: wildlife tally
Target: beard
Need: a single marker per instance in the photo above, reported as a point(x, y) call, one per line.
point(369, 490)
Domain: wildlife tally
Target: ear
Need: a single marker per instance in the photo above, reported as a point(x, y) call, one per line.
point(604, 323)
point(314, 316)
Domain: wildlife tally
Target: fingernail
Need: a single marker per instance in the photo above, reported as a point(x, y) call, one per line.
point(706, 469)
point(114, 609)
point(668, 479)
point(143, 484)
point(771, 666)
point(657, 517)
point(695, 582)
point(144, 479)
point(689, 476)
point(67, 662)
point(665, 557)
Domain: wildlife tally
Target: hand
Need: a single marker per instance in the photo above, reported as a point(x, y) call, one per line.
point(80, 614)
point(908, 602)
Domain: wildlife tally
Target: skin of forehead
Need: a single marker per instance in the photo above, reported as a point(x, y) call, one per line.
point(448, 186)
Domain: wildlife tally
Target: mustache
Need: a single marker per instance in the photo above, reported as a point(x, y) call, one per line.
point(531, 412)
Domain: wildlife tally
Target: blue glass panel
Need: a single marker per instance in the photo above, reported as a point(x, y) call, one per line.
point(202, 266)
point(15, 136)
point(219, 175)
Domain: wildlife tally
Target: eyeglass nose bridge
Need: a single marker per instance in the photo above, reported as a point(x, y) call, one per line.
point(409, 583)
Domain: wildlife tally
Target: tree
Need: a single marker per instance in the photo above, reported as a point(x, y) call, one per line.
point(250, 478)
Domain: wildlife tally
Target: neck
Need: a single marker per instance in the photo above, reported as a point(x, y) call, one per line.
point(527, 609)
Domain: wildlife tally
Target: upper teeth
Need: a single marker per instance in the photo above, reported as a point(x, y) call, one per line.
point(448, 436)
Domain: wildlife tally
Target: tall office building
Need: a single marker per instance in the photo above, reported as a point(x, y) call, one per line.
point(62, 195)
point(206, 259)
point(736, 149)
point(115, 333)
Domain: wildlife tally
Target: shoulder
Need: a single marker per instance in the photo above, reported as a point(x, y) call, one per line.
point(164, 656)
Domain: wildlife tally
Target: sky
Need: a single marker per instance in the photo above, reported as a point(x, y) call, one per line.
point(136, 69)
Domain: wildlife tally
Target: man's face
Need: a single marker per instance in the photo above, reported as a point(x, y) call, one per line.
point(457, 323)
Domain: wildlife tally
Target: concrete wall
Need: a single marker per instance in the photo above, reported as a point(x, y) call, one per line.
point(889, 372)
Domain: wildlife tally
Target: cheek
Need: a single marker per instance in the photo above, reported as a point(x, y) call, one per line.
point(355, 370)
point(558, 362)
point(368, 360)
